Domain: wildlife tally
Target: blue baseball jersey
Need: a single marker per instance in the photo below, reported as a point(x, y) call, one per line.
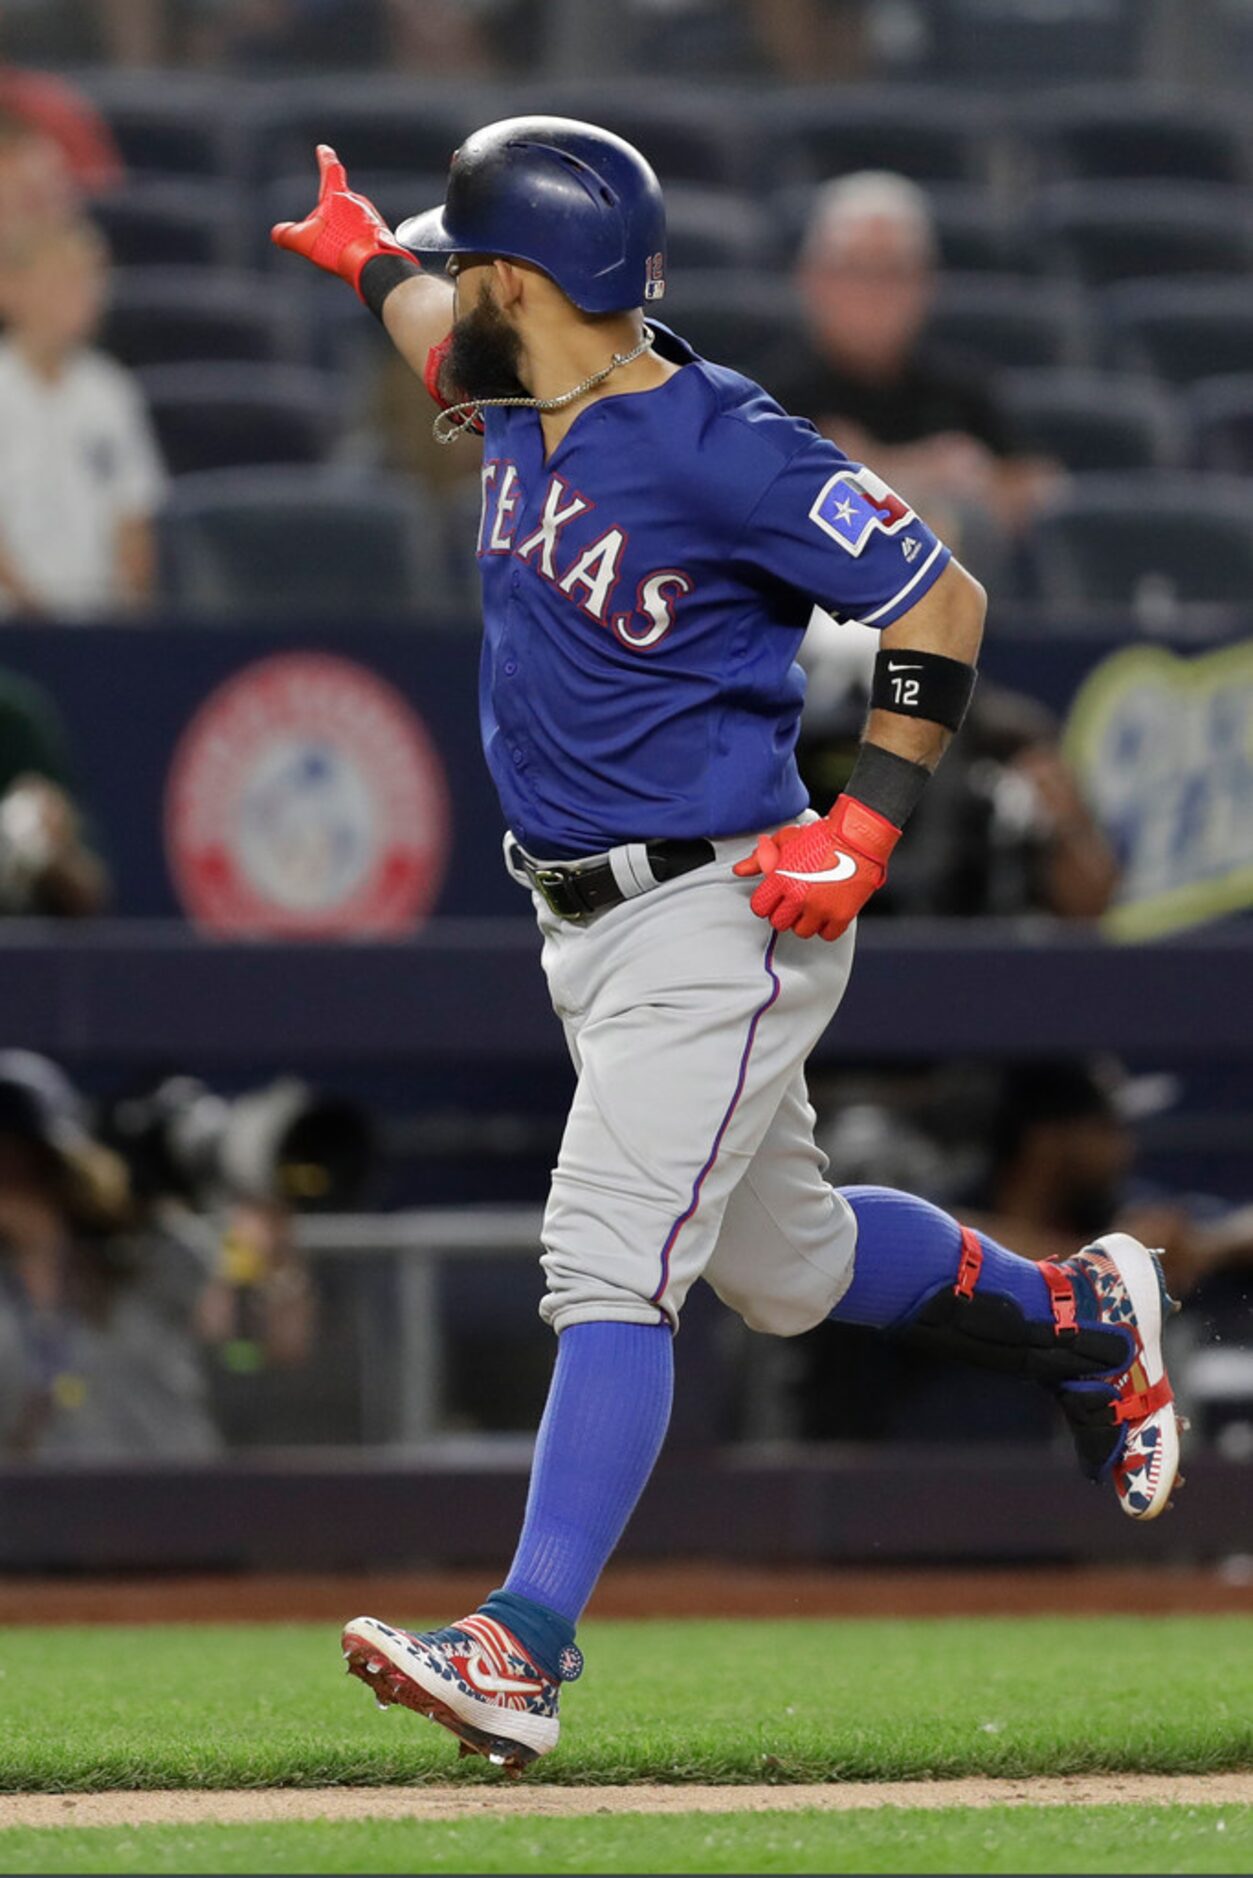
point(645, 592)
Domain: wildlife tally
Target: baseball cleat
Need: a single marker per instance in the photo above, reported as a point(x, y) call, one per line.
point(473, 1678)
point(1131, 1295)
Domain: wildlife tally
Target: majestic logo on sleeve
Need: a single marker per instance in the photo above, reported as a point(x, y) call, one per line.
point(853, 504)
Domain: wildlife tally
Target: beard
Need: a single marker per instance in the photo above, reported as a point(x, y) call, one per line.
point(483, 358)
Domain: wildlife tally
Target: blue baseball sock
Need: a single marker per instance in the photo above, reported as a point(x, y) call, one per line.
point(603, 1426)
point(907, 1249)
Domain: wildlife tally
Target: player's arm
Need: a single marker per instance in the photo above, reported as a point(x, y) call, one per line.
point(344, 234)
point(819, 876)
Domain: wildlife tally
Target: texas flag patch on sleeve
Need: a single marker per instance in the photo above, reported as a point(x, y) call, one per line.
point(853, 504)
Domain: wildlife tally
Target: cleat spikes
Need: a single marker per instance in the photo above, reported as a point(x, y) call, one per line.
point(380, 1703)
point(374, 1665)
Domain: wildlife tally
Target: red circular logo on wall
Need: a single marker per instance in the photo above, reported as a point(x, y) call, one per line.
point(305, 799)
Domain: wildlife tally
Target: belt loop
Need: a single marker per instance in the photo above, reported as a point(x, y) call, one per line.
point(632, 869)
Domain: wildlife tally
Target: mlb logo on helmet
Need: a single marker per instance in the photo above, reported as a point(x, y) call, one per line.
point(853, 504)
point(655, 276)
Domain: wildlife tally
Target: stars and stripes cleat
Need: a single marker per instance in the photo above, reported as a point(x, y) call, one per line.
point(473, 1678)
point(1127, 1428)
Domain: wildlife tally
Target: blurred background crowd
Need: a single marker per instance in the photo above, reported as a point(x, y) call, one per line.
point(1001, 250)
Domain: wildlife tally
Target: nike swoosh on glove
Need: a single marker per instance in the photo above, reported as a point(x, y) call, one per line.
point(819, 876)
point(343, 231)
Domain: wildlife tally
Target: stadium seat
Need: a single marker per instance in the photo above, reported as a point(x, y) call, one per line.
point(717, 228)
point(1034, 42)
point(1106, 232)
point(744, 321)
point(1182, 330)
point(214, 417)
point(165, 316)
point(376, 124)
point(1091, 420)
point(1119, 541)
point(1220, 423)
point(1009, 320)
point(1137, 134)
point(293, 543)
point(808, 136)
point(172, 123)
point(687, 135)
point(170, 222)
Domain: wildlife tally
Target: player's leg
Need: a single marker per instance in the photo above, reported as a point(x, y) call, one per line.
point(687, 1024)
point(1089, 1328)
point(792, 1252)
point(784, 1256)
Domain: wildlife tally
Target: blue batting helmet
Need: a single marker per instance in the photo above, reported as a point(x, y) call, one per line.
point(573, 199)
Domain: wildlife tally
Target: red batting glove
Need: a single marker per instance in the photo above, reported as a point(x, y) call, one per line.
point(344, 231)
point(818, 877)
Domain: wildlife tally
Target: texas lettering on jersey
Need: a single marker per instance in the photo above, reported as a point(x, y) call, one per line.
point(589, 578)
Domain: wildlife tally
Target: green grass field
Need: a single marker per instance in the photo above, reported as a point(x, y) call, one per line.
point(1001, 1839)
point(735, 1702)
point(269, 1705)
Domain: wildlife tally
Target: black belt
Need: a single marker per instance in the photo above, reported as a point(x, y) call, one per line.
point(577, 889)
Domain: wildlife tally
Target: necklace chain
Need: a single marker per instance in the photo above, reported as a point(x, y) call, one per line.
point(458, 418)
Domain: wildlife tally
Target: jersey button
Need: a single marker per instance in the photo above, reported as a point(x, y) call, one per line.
point(511, 667)
point(519, 756)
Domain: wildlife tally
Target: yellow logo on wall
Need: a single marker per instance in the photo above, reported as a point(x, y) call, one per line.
point(1163, 747)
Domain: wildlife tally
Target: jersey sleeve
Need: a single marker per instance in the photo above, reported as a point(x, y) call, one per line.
point(834, 531)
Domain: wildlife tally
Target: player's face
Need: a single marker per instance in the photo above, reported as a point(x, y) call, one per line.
point(486, 347)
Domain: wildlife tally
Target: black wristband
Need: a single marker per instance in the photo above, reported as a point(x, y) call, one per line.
point(922, 684)
point(889, 784)
point(380, 274)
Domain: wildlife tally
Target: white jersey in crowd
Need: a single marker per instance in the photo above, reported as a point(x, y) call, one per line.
point(77, 457)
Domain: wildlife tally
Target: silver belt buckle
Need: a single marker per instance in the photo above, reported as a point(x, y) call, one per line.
point(547, 879)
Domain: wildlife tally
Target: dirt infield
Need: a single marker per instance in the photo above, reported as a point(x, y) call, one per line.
point(695, 1590)
point(519, 1800)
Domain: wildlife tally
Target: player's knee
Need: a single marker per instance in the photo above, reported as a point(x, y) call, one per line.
point(581, 1292)
point(783, 1314)
point(609, 1257)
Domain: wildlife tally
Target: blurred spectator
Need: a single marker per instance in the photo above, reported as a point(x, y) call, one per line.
point(37, 187)
point(809, 40)
point(54, 109)
point(47, 865)
point(422, 36)
point(105, 1317)
point(1061, 1153)
point(1003, 828)
point(97, 1353)
point(927, 422)
point(80, 476)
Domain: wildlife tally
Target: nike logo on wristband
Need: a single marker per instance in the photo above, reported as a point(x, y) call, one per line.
point(844, 869)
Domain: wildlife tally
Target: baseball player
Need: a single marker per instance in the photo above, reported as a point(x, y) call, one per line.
point(655, 532)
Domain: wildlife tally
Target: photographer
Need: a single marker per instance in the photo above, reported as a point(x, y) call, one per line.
point(107, 1317)
point(47, 865)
